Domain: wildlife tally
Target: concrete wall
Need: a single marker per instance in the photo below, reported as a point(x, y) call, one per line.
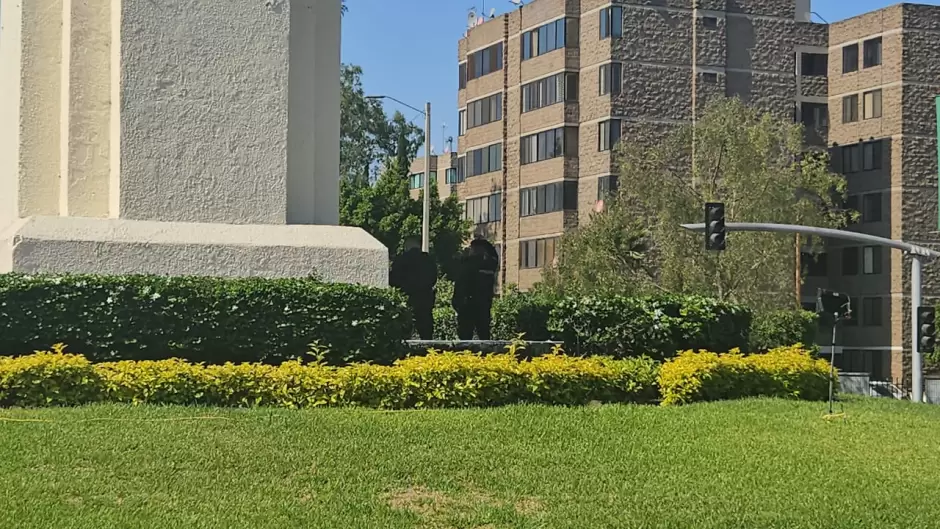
point(133, 109)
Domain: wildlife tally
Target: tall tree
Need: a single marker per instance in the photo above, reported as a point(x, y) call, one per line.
point(364, 128)
point(753, 162)
point(387, 211)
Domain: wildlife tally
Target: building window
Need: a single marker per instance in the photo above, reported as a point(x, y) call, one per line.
point(607, 185)
point(548, 198)
point(485, 160)
point(537, 253)
point(571, 86)
point(851, 159)
point(850, 58)
point(851, 206)
point(451, 176)
point(871, 51)
point(485, 61)
point(611, 22)
point(550, 37)
point(871, 312)
point(850, 109)
point(547, 144)
point(710, 77)
point(550, 90)
point(871, 104)
point(871, 207)
point(484, 209)
point(611, 78)
point(461, 168)
point(484, 111)
point(815, 265)
point(850, 261)
point(462, 123)
point(871, 260)
point(710, 22)
point(871, 155)
point(462, 75)
point(608, 133)
point(814, 64)
point(416, 181)
point(815, 116)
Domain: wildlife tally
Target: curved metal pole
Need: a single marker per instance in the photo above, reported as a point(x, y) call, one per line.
point(917, 253)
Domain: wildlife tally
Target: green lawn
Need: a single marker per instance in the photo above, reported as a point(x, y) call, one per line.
point(748, 464)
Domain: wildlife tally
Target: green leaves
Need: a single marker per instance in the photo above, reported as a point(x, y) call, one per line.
point(201, 319)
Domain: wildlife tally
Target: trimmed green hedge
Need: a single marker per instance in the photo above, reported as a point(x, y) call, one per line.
point(201, 319)
point(437, 380)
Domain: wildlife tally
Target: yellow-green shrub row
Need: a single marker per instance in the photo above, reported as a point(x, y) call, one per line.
point(789, 372)
point(435, 380)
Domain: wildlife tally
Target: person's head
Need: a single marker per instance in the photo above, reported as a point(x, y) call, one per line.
point(412, 242)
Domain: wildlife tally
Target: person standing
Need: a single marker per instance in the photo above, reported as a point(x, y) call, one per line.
point(474, 289)
point(414, 272)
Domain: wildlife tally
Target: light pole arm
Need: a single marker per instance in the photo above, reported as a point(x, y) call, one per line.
point(400, 102)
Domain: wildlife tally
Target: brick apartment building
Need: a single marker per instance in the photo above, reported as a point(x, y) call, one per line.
point(443, 171)
point(546, 90)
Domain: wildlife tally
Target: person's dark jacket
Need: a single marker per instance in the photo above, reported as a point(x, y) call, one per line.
point(414, 273)
point(476, 275)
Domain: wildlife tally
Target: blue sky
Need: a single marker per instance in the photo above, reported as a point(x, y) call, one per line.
point(408, 49)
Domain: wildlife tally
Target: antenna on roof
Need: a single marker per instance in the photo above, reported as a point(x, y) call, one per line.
point(517, 3)
point(492, 12)
point(471, 18)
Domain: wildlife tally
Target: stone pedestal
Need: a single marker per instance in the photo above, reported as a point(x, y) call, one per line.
point(175, 137)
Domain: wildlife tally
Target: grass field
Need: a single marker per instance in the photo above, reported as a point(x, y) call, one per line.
point(747, 464)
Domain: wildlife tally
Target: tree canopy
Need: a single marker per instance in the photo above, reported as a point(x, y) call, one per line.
point(755, 163)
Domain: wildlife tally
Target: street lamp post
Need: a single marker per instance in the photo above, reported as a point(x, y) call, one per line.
point(426, 207)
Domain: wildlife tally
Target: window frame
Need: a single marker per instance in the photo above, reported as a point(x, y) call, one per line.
point(605, 140)
point(611, 22)
point(875, 109)
point(872, 53)
point(850, 261)
point(813, 60)
point(850, 113)
point(872, 208)
point(872, 260)
point(850, 58)
point(606, 75)
point(607, 185)
point(870, 307)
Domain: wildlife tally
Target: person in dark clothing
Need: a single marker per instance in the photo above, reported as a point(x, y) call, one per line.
point(415, 273)
point(474, 289)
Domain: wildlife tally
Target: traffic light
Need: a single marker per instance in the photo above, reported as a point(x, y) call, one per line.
point(926, 329)
point(714, 226)
point(833, 304)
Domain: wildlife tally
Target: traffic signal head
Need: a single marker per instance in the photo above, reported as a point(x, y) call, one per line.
point(926, 329)
point(714, 226)
point(833, 304)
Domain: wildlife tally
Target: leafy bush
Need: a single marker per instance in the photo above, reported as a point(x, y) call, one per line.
point(436, 380)
point(445, 323)
point(657, 326)
point(48, 379)
point(787, 372)
point(780, 328)
point(201, 319)
point(524, 313)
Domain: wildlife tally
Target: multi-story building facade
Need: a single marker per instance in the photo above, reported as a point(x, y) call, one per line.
point(884, 75)
point(443, 172)
point(546, 91)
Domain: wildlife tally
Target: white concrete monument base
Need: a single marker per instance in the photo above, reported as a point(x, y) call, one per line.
point(175, 137)
point(117, 246)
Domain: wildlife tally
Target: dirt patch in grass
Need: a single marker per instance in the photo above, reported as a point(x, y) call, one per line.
point(436, 507)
